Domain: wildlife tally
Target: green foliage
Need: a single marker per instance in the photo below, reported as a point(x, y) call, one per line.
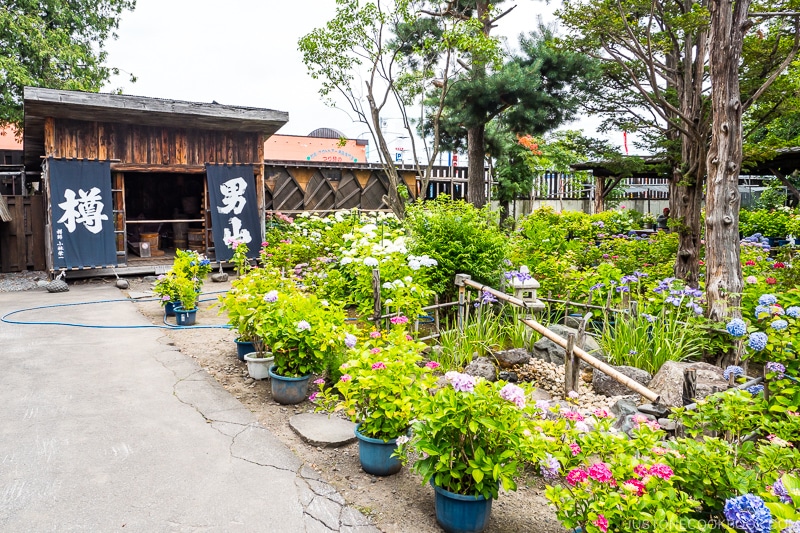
point(773, 222)
point(57, 45)
point(461, 238)
point(467, 437)
point(647, 342)
point(184, 281)
point(380, 385)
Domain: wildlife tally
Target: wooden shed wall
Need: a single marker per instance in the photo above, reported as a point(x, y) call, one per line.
point(149, 145)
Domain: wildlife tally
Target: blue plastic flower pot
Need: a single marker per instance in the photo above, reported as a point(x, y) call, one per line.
point(288, 391)
point(242, 348)
point(376, 455)
point(185, 317)
point(456, 513)
point(169, 309)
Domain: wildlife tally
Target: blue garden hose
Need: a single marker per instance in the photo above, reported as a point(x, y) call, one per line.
point(5, 318)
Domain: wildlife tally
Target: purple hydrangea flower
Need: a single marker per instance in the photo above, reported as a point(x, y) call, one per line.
point(303, 325)
point(737, 327)
point(757, 341)
point(777, 368)
point(549, 467)
point(748, 513)
point(271, 297)
point(780, 491)
point(350, 340)
point(461, 382)
point(514, 394)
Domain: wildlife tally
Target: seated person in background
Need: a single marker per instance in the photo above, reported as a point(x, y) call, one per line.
point(661, 220)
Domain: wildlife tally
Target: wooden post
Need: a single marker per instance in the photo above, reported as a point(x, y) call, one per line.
point(634, 308)
point(689, 385)
point(436, 313)
point(566, 306)
point(572, 367)
point(462, 291)
point(376, 295)
point(766, 385)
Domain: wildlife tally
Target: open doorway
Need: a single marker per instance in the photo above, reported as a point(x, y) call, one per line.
point(164, 210)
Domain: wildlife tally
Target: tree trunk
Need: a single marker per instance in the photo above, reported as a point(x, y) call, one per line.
point(723, 266)
point(476, 176)
point(686, 195)
point(599, 194)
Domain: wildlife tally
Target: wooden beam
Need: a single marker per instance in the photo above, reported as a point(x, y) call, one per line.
point(180, 169)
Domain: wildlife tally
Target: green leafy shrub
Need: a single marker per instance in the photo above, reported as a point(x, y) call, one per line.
point(462, 240)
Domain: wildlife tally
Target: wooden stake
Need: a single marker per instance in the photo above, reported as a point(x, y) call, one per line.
point(571, 367)
point(376, 295)
point(689, 385)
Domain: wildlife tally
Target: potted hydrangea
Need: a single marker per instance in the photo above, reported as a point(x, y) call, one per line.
point(466, 441)
point(302, 332)
point(380, 389)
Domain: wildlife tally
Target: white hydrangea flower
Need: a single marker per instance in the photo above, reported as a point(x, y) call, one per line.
point(370, 262)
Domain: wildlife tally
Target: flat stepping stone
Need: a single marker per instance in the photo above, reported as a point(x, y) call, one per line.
point(318, 429)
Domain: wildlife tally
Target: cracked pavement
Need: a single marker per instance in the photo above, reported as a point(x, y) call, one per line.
point(103, 429)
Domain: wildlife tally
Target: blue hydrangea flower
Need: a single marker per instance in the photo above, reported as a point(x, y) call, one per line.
point(757, 341)
point(793, 311)
point(779, 325)
point(767, 299)
point(734, 371)
point(761, 309)
point(755, 390)
point(737, 327)
point(748, 513)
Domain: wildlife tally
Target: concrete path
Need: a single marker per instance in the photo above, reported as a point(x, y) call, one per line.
point(114, 430)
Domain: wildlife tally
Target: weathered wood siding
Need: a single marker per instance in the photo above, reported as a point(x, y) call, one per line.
point(149, 145)
point(21, 240)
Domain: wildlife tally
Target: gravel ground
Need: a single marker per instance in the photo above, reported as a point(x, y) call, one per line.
point(22, 281)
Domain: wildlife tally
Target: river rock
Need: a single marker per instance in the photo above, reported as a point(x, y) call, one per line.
point(513, 357)
point(219, 277)
point(608, 386)
point(668, 381)
point(624, 407)
point(551, 352)
point(482, 367)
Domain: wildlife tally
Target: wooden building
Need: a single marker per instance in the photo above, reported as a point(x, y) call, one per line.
point(159, 153)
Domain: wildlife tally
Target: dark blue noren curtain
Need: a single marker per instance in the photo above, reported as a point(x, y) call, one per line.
point(81, 214)
point(234, 208)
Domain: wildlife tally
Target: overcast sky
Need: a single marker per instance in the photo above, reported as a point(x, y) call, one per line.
point(244, 52)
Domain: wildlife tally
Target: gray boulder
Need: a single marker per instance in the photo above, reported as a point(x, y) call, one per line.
point(482, 367)
point(624, 407)
point(668, 381)
point(512, 358)
point(551, 352)
point(606, 385)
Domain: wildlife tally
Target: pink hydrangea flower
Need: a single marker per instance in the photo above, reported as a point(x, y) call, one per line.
point(319, 381)
point(399, 320)
point(634, 485)
point(601, 413)
point(576, 475)
point(345, 378)
point(433, 365)
point(601, 522)
point(641, 470)
point(600, 472)
point(574, 448)
point(375, 334)
point(461, 382)
point(378, 366)
point(661, 470)
point(375, 350)
point(575, 416)
point(313, 396)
